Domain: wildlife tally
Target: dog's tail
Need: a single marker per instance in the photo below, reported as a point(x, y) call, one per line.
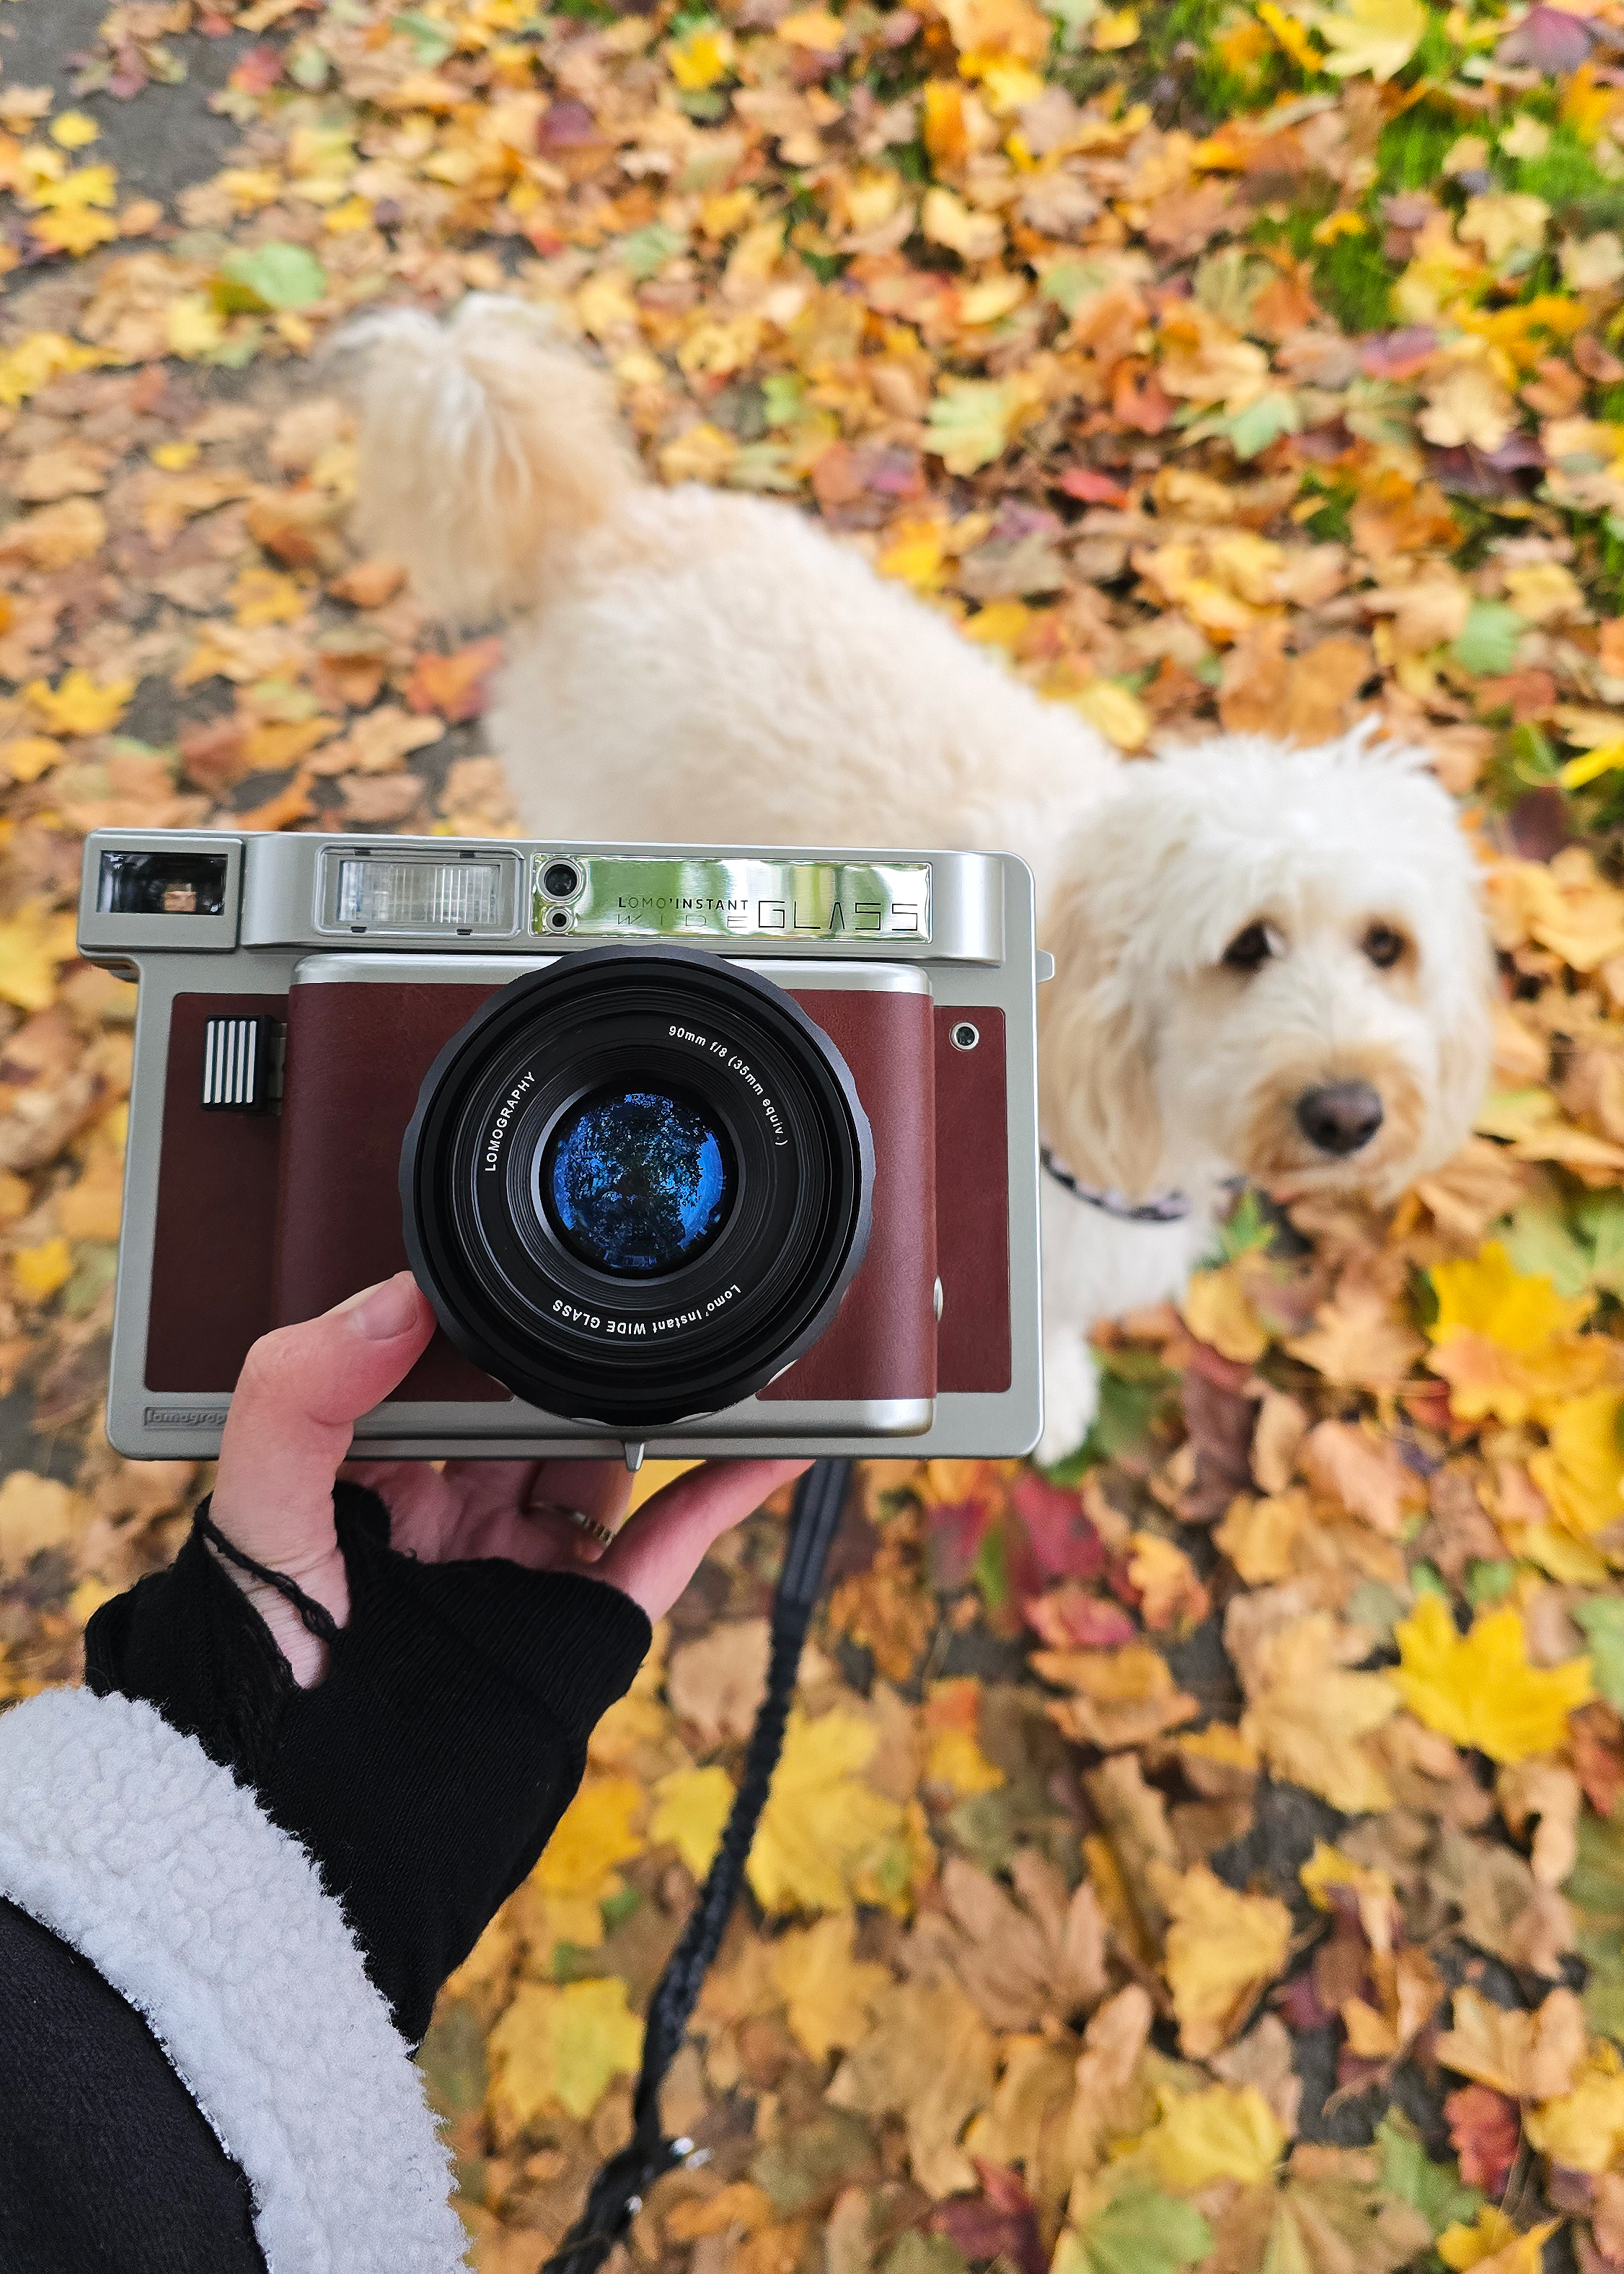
point(486, 443)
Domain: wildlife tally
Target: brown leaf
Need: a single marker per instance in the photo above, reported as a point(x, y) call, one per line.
point(1525, 2056)
point(455, 686)
point(1040, 1959)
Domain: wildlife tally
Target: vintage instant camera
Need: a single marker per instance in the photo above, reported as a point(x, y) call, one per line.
point(697, 1151)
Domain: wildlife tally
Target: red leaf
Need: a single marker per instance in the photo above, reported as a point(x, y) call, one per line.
point(257, 71)
point(454, 686)
point(1486, 2132)
point(1069, 1618)
point(567, 126)
point(1092, 488)
point(1063, 1540)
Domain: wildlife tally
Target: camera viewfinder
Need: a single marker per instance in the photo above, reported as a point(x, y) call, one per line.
point(133, 883)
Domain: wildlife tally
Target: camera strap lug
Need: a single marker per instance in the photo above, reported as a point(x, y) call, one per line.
point(633, 1451)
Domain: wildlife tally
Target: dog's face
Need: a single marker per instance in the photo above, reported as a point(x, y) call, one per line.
point(1270, 962)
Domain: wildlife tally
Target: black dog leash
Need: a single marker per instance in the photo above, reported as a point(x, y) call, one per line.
point(616, 2195)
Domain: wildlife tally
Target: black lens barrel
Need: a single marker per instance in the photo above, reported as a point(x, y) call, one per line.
point(636, 1351)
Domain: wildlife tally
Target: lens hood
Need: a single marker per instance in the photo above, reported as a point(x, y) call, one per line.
point(673, 1039)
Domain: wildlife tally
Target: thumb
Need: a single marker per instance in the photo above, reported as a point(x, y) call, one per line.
point(301, 1392)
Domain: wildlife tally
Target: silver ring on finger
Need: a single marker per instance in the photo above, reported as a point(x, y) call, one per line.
point(578, 1517)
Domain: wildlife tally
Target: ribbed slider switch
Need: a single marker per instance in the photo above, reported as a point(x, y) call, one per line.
point(241, 1065)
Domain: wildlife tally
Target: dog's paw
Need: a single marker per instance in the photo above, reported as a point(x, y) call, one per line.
point(1071, 1395)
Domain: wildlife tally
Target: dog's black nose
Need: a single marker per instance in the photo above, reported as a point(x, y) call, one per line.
point(1341, 1117)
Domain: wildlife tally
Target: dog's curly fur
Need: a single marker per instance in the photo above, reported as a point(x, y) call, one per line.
point(693, 665)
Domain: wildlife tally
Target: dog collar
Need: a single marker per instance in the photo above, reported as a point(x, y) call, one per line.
point(1167, 1207)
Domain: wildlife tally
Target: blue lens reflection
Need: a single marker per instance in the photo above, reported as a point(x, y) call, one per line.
point(637, 1181)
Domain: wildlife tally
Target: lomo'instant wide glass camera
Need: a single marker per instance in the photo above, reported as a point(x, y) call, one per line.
point(693, 1151)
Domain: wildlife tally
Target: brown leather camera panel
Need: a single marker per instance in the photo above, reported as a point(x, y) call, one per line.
point(356, 1055)
point(327, 1168)
point(882, 1340)
point(973, 1204)
point(216, 1222)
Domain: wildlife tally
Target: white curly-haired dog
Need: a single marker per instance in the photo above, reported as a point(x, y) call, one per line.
point(1271, 962)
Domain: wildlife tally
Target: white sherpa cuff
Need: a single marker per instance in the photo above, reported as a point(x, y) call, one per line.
point(125, 1840)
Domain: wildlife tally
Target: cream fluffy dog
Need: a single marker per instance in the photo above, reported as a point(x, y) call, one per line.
point(1270, 962)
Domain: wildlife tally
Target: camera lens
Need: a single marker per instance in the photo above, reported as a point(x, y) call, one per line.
point(637, 1185)
point(561, 880)
point(637, 1181)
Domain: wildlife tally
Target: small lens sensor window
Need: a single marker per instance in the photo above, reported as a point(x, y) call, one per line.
point(637, 1181)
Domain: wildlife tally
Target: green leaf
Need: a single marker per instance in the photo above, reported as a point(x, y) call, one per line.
point(1602, 1618)
point(1487, 1581)
point(431, 43)
point(783, 394)
point(1141, 2231)
point(1261, 423)
point(1489, 639)
point(274, 275)
point(647, 251)
point(991, 1571)
point(1245, 1228)
point(918, 2253)
point(1541, 1241)
point(1594, 1889)
point(1437, 2193)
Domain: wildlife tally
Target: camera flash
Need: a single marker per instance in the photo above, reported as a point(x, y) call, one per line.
point(383, 895)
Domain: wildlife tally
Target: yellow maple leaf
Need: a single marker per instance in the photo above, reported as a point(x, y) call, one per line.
point(1378, 37)
point(1224, 2132)
point(193, 325)
point(1582, 1471)
point(828, 1993)
point(560, 2047)
point(822, 1825)
point(1584, 2130)
point(597, 1831)
point(1217, 1311)
point(31, 944)
point(690, 1808)
point(1292, 36)
point(1493, 2243)
point(27, 757)
point(86, 185)
point(41, 356)
point(1505, 1340)
point(38, 1272)
point(267, 595)
point(916, 555)
point(701, 57)
point(78, 704)
point(73, 130)
point(1479, 1689)
point(1222, 1949)
point(35, 1512)
point(77, 230)
point(1115, 711)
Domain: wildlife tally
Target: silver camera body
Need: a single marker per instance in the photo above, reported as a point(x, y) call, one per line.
point(299, 991)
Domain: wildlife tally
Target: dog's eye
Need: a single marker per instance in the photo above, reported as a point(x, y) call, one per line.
point(1384, 946)
point(1250, 950)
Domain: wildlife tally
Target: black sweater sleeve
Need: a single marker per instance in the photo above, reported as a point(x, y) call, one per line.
point(424, 1773)
point(106, 2161)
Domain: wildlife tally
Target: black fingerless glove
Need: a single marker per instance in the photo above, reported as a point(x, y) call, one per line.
point(426, 1771)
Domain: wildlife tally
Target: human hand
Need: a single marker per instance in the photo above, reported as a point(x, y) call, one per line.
point(301, 1392)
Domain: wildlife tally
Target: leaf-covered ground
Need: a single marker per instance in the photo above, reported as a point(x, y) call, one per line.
point(1209, 1856)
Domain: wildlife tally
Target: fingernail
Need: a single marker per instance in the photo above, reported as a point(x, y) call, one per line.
point(388, 1309)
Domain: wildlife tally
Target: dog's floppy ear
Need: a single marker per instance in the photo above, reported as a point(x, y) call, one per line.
point(1096, 1091)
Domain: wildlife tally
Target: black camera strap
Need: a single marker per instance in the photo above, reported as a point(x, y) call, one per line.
point(616, 2193)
